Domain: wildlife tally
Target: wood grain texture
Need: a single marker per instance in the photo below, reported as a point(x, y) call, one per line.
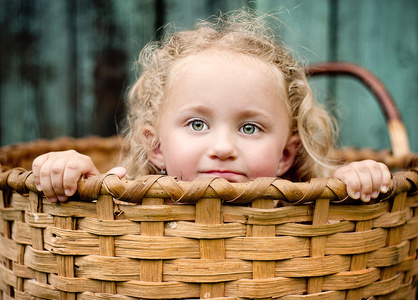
point(66, 65)
point(390, 52)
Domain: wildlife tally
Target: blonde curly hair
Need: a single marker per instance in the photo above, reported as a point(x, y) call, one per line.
point(241, 32)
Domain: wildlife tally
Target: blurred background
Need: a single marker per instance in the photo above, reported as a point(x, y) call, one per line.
point(65, 65)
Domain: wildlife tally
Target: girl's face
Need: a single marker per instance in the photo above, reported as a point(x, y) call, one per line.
point(224, 116)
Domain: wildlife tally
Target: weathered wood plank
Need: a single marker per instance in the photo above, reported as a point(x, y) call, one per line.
point(304, 26)
point(65, 65)
point(381, 36)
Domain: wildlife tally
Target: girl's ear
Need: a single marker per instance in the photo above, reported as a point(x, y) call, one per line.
point(154, 152)
point(288, 155)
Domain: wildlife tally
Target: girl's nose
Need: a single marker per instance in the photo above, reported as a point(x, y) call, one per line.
point(222, 146)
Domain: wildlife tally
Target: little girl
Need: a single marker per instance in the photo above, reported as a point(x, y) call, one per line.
point(226, 100)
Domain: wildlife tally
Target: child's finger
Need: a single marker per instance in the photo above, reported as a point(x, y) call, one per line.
point(45, 180)
point(36, 169)
point(349, 176)
point(376, 171)
point(380, 176)
point(57, 170)
point(386, 177)
point(364, 172)
point(76, 167)
point(119, 171)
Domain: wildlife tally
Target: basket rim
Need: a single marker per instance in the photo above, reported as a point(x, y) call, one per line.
point(163, 186)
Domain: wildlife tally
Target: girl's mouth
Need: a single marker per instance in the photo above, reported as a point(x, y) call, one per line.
point(231, 176)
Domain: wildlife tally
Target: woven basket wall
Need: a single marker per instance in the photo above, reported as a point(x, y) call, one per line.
point(158, 238)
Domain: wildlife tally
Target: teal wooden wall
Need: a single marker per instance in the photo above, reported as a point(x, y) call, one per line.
point(66, 64)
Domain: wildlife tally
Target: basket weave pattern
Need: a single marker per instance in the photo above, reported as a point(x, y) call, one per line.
point(159, 238)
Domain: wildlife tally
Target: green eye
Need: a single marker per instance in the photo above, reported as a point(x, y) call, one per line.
point(249, 129)
point(197, 125)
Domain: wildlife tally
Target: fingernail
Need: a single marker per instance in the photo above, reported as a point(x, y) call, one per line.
point(356, 195)
point(384, 189)
point(52, 200)
point(366, 198)
point(39, 188)
point(375, 194)
point(68, 192)
point(62, 198)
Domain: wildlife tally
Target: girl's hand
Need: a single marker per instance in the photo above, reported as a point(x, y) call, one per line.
point(57, 173)
point(364, 179)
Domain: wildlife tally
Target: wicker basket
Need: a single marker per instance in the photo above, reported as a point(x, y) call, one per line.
point(158, 238)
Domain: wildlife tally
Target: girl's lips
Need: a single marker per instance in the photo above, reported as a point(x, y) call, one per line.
point(228, 175)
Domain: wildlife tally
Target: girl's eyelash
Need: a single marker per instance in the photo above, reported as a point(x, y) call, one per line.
point(251, 128)
point(246, 128)
point(197, 125)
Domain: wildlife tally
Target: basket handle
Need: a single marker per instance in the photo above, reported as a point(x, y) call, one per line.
point(397, 131)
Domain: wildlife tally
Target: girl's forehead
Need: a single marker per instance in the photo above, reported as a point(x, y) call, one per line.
point(228, 58)
point(239, 72)
point(227, 55)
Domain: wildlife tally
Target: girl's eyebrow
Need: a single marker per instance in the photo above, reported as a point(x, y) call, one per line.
point(256, 113)
point(242, 114)
point(248, 113)
point(196, 108)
